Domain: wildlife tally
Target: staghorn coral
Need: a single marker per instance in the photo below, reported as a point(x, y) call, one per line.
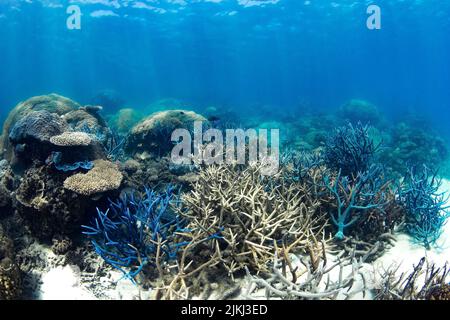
point(425, 207)
point(425, 282)
point(350, 150)
point(371, 227)
point(355, 198)
point(137, 232)
point(105, 176)
point(253, 216)
point(311, 279)
point(71, 139)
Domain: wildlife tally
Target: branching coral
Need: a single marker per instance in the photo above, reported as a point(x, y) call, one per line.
point(312, 279)
point(141, 234)
point(355, 198)
point(425, 282)
point(350, 150)
point(425, 207)
point(252, 215)
point(136, 232)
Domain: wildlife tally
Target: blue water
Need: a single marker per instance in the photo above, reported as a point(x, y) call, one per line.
point(232, 53)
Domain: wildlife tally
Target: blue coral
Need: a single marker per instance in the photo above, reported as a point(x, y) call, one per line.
point(135, 229)
point(425, 206)
point(354, 198)
point(350, 150)
point(55, 159)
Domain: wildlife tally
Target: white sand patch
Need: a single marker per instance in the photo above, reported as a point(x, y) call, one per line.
point(63, 283)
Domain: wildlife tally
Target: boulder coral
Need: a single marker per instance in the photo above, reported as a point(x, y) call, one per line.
point(153, 134)
point(105, 176)
point(52, 103)
point(30, 136)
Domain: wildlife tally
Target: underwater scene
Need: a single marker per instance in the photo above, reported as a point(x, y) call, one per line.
point(224, 150)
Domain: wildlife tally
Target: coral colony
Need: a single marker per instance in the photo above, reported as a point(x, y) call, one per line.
point(196, 213)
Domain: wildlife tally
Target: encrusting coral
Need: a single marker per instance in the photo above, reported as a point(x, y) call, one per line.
point(105, 176)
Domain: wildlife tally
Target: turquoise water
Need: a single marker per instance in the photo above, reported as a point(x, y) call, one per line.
point(237, 55)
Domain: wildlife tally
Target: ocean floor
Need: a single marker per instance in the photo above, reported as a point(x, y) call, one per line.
point(67, 282)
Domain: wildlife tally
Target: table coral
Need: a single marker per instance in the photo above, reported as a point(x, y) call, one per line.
point(105, 176)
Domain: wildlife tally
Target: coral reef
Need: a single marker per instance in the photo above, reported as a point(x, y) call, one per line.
point(50, 103)
point(30, 136)
point(425, 282)
point(196, 231)
point(105, 176)
point(252, 217)
point(350, 150)
point(310, 280)
point(424, 206)
point(153, 134)
point(137, 232)
point(414, 143)
point(47, 208)
point(10, 276)
point(355, 198)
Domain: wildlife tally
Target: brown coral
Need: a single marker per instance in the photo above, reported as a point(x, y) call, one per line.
point(47, 208)
point(10, 277)
point(105, 176)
